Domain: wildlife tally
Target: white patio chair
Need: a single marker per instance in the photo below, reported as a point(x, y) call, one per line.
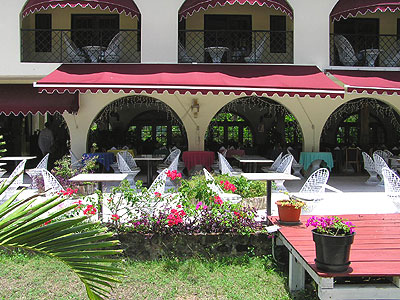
point(10, 191)
point(274, 165)
point(112, 53)
point(75, 162)
point(183, 56)
point(35, 173)
point(347, 55)
point(51, 184)
point(129, 160)
point(380, 163)
point(388, 153)
point(125, 169)
point(169, 159)
point(226, 168)
point(232, 198)
point(256, 55)
point(382, 153)
point(369, 166)
point(284, 167)
point(314, 187)
point(74, 54)
point(158, 185)
point(296, 167)
point(392, 183)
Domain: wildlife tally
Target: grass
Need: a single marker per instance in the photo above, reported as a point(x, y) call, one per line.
point(26, 276)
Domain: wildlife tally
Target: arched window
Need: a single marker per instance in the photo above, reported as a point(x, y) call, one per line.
point(230, 129)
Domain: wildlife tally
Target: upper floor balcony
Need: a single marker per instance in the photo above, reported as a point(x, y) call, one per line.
point(235, 46)
point(80, 45)
point(369, 50)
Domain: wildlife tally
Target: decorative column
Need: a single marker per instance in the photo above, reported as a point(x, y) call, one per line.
point(311, 31)
point(159, 26)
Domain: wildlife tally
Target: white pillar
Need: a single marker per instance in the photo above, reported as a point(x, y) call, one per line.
point(311, 31)
point(159, 26)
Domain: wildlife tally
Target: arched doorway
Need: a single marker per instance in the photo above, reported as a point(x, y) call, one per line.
point(143, 123)
point(365, 123)
point(259, 125)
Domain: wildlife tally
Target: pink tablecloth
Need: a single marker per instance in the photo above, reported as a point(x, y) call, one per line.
point(234, 152)
point(192, 158)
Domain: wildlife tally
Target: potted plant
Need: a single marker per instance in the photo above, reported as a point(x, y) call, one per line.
point(333, 237)
point(289, 210)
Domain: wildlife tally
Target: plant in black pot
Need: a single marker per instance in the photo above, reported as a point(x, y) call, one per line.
point(333, 237)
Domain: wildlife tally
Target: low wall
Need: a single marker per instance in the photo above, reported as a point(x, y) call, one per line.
point(147, 247)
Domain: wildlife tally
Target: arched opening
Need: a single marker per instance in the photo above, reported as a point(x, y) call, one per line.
point(138, 122)
point(257, 125)
point(365, 123)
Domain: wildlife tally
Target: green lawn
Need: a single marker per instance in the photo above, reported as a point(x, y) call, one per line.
point(26, 276)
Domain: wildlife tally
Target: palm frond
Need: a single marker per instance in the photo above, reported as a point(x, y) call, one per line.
point(84, 246)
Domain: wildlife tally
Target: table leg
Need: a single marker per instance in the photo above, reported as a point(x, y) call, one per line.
point(269, 196)
point(148, 173)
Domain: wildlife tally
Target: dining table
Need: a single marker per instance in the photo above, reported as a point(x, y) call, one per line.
point(269, 177)
point(193, 158)
point(104, 158)
point(150, 159)
point(100, 178)
point(252, 161)
point(306, 158)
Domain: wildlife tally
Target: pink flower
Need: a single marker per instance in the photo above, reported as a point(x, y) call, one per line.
point(199, 205)
point(158, 195)
point(218, 200)
point(114, 217)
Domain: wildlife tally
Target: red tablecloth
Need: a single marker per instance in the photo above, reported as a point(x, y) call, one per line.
point(234, 152)
point(192, 158)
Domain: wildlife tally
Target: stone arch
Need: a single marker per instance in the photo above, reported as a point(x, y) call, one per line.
point(116, 118)
point(265, 118)
point(370, 117)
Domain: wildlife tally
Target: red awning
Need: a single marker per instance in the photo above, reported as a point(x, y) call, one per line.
point(350, 8)
point(379, 82)
point(24, 99)
point(261, 80)
point(192, 6)
point(121, 6)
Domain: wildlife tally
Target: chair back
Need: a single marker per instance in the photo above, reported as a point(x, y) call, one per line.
point(256, 53)
point(276, 163)
point(43, 163)
point(112, 53)
point(51, 183)
point(73, 53)
point(382, 153)
point(316, 182)
point(392, 182)
point(388, 153)
point(170, 158)
point(158, 185)
point(294, 160)
point(122, 164)
point(75, 162)
point(183, 57)
point(211, 183)
point(224, 165)
point(369, 164)
point(128, 159)
point(380, 163)
point(286, 164)
point(346, 52)
point(18, 170)
point(174, 164)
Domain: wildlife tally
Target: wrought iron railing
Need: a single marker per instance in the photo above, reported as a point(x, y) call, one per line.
point(80, 46)
point(370, 50)
point(234, 46)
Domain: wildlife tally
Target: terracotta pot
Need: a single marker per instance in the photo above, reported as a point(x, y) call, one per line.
point(288, 213)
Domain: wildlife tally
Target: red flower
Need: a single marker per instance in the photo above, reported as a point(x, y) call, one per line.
point(47, 222)
point(218, 200)
point(179, 206)
point(114, 217)
point(90, 209)
point(158, 195)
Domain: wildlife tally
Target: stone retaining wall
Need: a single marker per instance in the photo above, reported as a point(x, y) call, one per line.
point(145, 247)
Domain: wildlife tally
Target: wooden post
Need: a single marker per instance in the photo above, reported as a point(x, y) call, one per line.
point(296, 274)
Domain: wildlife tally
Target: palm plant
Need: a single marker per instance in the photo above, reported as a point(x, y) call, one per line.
point(82, 245)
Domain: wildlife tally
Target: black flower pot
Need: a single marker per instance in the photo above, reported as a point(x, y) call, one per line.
point(332, 252)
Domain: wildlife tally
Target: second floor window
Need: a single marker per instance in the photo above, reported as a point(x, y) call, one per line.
point(278, 34)
point(93, 30)
point(43, 33)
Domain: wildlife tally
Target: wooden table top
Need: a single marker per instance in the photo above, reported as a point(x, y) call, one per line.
point(375, 251)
